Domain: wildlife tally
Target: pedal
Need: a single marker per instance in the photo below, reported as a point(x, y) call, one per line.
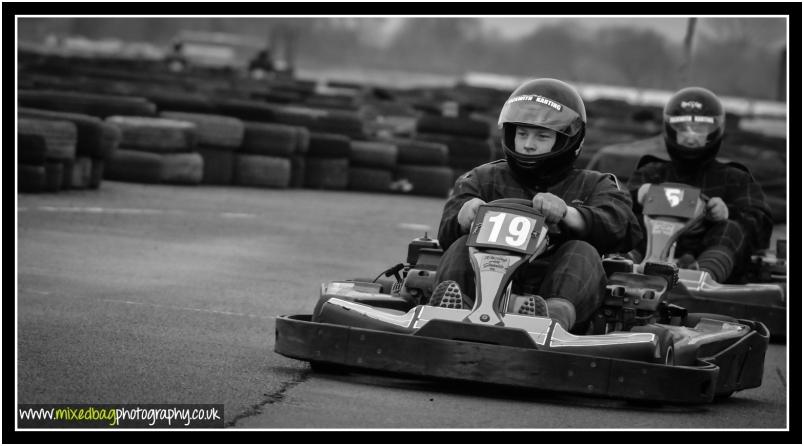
point(668, 271)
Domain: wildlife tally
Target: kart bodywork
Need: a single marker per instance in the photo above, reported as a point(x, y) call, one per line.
point(670, 210)
point(638, 346)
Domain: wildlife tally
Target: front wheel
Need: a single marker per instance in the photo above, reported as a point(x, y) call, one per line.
point(665, 348)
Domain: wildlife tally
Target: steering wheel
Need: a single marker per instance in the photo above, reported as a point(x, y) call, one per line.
point(670, 210)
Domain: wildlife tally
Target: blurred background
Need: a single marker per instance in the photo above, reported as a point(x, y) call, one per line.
point(741, 57)
point(432, 80)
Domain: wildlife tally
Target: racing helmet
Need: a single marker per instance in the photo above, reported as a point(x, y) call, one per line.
point(694, 121)
point(548, 103)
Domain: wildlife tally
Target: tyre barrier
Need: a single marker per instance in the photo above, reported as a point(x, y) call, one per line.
point(182, 168)
point(80, 174)
point(270, 139)
point(296, 116)
point(96, 173)
point(297, 169)
point(157, 135)
point(60, 136)
point(218, 165)
point(329, 145)
point(98, 105)
point(32, 149)
point(95, 138)
point(340, 122)
point(370, 179)
point(326, 173)
point(261, 171)
point(134, 166)
point(417, 152)
point(246, 110)
point(31, 179)
point(446, 125)
point(178, 101)
point(212, 130)
point(433, 181)
point(373, 154)
point(54, 176)
point(462, 151)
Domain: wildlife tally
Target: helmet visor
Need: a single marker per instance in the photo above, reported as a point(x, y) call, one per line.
point(694, 131)
point(536, 110)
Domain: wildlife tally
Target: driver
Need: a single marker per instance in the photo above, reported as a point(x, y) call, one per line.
point(738, 221)
point(543, 125)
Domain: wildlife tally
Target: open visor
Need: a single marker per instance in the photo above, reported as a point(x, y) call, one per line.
point(540, 111)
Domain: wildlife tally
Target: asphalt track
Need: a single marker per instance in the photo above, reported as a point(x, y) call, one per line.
point(165, 294)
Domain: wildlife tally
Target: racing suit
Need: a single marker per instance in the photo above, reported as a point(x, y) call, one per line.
point(722, 248)
point(573, 269)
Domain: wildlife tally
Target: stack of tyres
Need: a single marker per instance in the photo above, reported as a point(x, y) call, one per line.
point(468, 140)
point(217, 139)
point(422, 168)
point(327, 161)
point(371, 165)
point(44, 147)
point(98, 105)
point(265, 157)
point(96, 141)
point(155, 150)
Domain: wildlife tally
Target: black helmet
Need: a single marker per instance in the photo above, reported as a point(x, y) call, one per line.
point(693, 126)
point(548, 103)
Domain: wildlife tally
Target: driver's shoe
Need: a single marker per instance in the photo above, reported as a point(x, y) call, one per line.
point(528, 305)
point(447, 295)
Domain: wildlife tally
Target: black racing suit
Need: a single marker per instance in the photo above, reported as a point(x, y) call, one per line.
point(721, 248)
point(573, 271)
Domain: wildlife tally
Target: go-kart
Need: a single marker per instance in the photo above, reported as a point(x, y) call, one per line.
point(637, 347)
point(672, 209)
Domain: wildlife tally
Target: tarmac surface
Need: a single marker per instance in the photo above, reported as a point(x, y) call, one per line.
point(167, 294)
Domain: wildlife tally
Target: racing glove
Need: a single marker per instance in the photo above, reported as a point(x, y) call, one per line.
point(642, 191)
point(468, 212)
point(716, 209)
point(552, 207)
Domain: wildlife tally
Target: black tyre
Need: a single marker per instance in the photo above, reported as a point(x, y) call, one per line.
point(95, 139)
point(262, 171)
point(99, 105)
point(423, 153)
point(469, 128)
point(373, 154)
point(665, 350)
point(298, 166)
point(182, 168)
point(54, 176)
point(96, 173)
point(60, 136)
point(269, 139)
point(156, 135)
point(329, 145)
point(426, 180)
point(370, 180)
point(31, 178)
point(32, 149)
point(218, 165)
point(133, 166)
point(326, 173)
point(212, 130)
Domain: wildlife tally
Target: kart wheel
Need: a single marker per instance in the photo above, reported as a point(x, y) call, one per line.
point(665, 350)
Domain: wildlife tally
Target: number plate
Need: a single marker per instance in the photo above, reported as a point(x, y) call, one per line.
point(504, 229)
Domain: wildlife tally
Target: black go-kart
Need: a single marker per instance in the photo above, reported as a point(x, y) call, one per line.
point(638, 346)
point(672, 209)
